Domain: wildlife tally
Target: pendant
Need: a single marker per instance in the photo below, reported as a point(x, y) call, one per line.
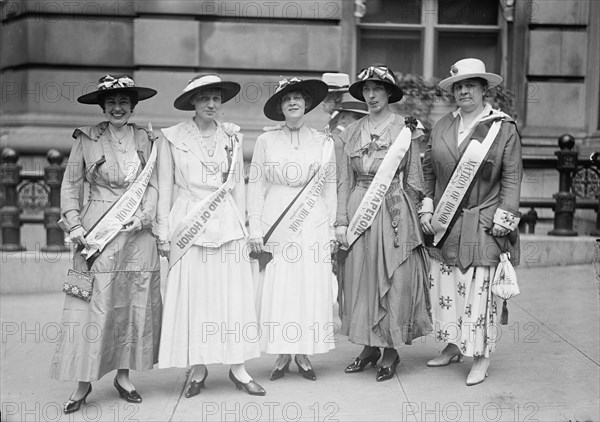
point(296, 147)
point(211, 153)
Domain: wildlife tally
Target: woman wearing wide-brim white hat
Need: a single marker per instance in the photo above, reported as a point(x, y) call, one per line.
point(466, 253)
point(205, 287)
point(467, 69)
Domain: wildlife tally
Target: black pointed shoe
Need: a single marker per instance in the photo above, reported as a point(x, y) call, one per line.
point(130, 396)
point(194, 387)
point(279, 373)
point(309, 373)
point(359, 364)
point(385, 373)
point(253, 388)
point(74, 405)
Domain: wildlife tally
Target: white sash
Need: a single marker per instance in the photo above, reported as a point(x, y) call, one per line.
point(195, 222)
point(292, 222)
point(371, 202)
point(461, 179)
point(112, 222)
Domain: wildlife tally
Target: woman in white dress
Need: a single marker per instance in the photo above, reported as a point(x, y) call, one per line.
point(294, 292)
point(209, 313)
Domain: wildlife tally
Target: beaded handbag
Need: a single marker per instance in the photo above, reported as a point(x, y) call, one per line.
point(79, 285)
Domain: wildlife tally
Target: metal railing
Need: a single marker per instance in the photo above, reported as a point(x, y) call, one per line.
point(579, 187)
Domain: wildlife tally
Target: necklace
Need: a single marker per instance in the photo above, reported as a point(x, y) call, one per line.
point(206, 141)
point(121, 144)
point(376, 125)
point(295, 130)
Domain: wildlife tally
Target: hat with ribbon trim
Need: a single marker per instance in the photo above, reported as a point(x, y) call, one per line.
point(378, 73)
point(350, 104)
point(204, 82)
point(316, 89)
point(467, 69)
point(113, 84)
point(336, 82)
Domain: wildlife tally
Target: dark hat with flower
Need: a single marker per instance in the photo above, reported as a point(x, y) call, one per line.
point(378, 73)
point(204, 82)
point(113, 84)
point(316, 89)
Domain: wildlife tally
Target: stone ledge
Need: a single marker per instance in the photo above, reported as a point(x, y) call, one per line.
point(545, 251)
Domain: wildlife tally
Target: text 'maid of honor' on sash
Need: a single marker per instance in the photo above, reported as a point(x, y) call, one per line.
point(374, 197)
point(195, 222)
point(461, 179)
point(111, 223)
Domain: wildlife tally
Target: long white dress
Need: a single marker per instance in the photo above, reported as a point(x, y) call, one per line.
point(209, 314)
point(296, 291)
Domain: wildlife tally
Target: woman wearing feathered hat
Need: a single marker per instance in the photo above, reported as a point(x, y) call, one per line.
point(116, 257)
point(209, 314)
point(386, 268)
point(473, 171)
point(291, 210)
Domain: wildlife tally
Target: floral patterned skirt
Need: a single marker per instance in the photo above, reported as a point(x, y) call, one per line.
point(464, 308)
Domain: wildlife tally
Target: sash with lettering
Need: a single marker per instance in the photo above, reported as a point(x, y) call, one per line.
point(369, 206)
point(195, 222)
point(294, 219)
point(111, 223)
point(463, 176)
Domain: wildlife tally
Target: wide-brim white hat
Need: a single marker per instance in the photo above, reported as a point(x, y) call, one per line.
point(466, 69)
point(204, 82)
point(336, 82)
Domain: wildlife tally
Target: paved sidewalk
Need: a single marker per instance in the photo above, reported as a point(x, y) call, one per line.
point(546, 368)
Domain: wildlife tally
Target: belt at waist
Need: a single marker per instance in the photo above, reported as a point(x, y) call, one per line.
point(364, 181)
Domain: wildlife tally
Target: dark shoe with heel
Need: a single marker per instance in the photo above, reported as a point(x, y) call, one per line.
point(194, 387)
point(74, 405)
point(359, 364)
point(385, 373)
point(280, 372)
point(309, 373)
point(130, 396)
point(252, 387)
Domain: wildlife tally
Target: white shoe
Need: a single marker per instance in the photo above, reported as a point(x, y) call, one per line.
point(478, 370)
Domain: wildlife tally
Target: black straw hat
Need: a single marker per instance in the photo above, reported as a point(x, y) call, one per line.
point(315, 88)
point(378, 73)
point(113, 84)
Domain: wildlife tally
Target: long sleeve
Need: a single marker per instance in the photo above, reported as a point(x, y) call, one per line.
point(508, 214)
point(71, 191)
point(239, 191)
point(147, 210)
point(428, 177)
point(330, 192)
point(344, 183)
point(166, 183)
point(257, 186)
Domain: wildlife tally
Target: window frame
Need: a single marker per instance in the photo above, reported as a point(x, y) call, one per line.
point(429, 28)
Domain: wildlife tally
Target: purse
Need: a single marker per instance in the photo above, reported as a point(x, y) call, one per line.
point(79, 285)
point(264, 257)
point(505, 285)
